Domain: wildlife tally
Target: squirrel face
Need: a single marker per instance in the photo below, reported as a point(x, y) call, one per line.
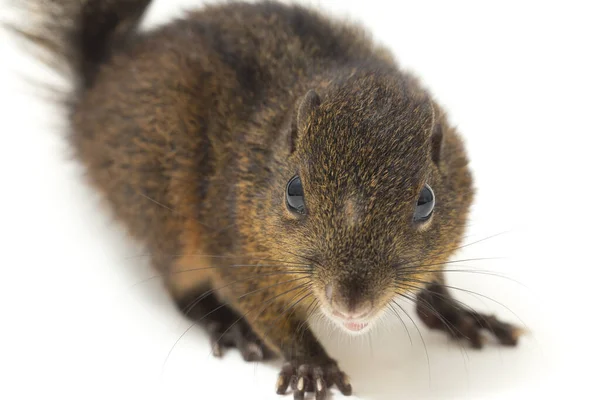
point(360, 192)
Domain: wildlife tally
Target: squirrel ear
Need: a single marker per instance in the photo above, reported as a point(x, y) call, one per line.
point(437, 141)
point(437, 135)
point(308, 104)
point(296, 122)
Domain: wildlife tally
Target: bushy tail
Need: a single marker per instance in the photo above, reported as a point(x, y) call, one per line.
point(77, 36)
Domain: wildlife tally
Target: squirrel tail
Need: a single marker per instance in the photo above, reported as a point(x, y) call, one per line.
point(78, 36)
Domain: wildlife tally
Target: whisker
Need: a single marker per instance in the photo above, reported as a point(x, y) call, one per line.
point(452, 250)
point(302, 286)
point(475, 294)
point(420, 335)
point(171, 273)
point(158, 203)
point(234, 256)
point(304, 325)
point(300, 256)
point(454, 330)
point(430, 307)
point(263, 265)
point(194, 323)
point(451, 327)
point(208, 293)
point(463, 260)
point(467, 271)
point(403, 323)
point(472, 311)
point(284, 312)
point(155, 201)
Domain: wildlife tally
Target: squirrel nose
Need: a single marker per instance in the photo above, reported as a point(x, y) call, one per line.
point(355, 314)
point(346, 309)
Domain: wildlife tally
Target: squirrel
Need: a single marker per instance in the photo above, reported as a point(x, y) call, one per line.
point(276, 162)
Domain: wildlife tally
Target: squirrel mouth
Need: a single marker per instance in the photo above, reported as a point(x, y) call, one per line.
point(355, 326)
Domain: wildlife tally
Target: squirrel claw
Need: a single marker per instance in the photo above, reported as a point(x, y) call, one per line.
point(310, 378)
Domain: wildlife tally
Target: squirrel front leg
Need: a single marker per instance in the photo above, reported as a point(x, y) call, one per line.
point(280, 321)
point(438, 309)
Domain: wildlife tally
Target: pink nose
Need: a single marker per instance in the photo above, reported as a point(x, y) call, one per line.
point(357, 314)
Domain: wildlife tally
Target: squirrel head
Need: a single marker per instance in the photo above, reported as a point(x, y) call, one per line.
point(367, 191)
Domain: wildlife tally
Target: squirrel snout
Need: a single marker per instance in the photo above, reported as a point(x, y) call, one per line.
point(351, 315)
point(346, 308)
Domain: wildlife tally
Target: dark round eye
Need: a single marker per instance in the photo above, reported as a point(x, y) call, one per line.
point(294, 195)
point(425, 204)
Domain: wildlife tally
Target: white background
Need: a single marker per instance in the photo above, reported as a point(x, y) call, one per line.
point(521, 83)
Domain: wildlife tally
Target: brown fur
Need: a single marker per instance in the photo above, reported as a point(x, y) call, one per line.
point(192, 131)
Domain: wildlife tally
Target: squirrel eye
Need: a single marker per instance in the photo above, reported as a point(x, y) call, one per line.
point(294, 195)
point(425, 204)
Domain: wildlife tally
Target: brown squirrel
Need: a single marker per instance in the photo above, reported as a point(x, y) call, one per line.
point(276, 162)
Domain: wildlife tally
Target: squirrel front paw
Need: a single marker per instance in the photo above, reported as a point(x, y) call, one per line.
point(312, 377)
point(439, 310)
point(224, 336)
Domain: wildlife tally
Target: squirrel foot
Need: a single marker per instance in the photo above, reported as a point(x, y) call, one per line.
point(226, 327)
point(438, 310)
point(313, 377)
point(238, 335)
